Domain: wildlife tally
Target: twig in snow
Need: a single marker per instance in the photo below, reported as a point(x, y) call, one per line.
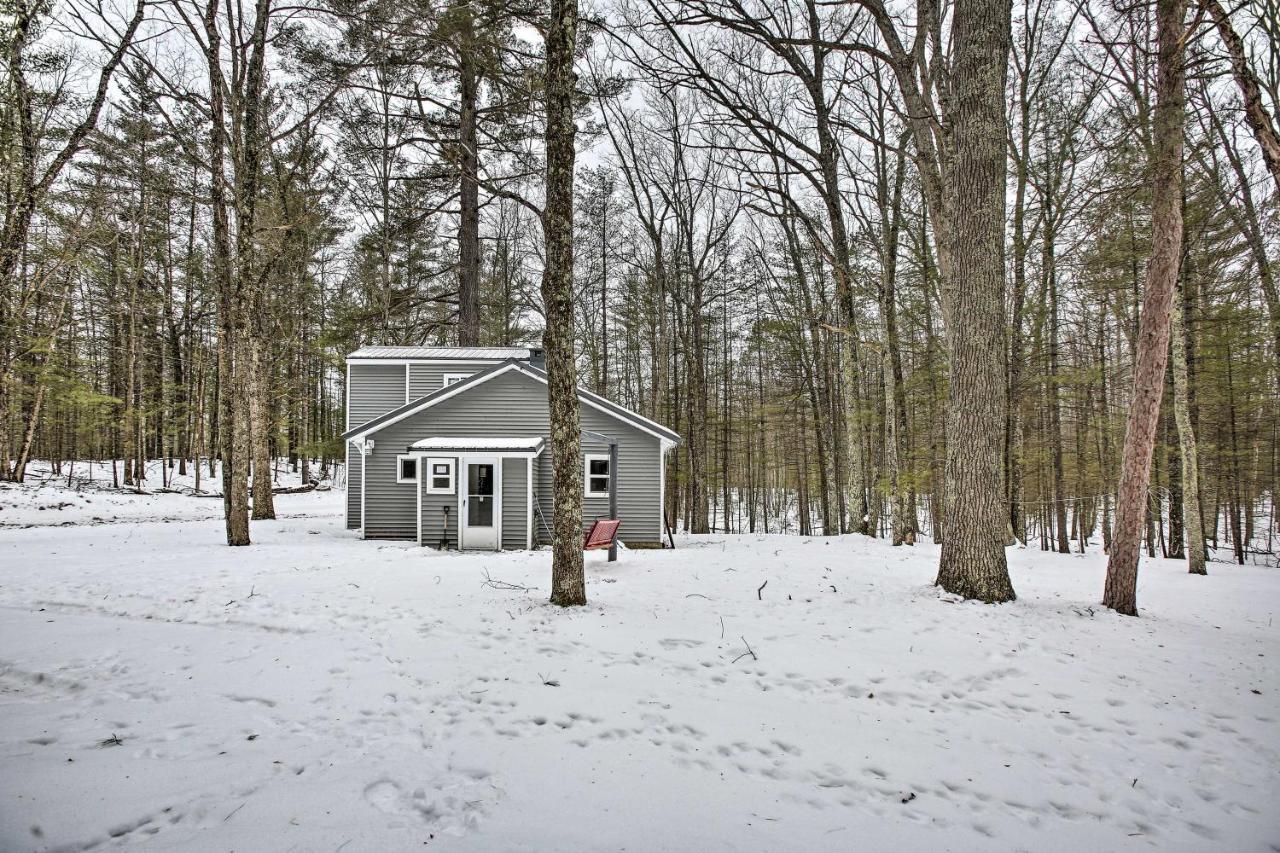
point(233, 811)
point(549, 682)
point(722, 627)
point(251, 594)
point(749, 651)
point(114, 740)
point(760, 590)
point(690, 595)
point(494, 583)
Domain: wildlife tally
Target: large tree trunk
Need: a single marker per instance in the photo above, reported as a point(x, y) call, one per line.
point(568, 585)
point(1120, 593)
point(251, 369)
point(260, 429)
point(469, 204)
point(233, 428)
point(973, 559)
point(1192, 523)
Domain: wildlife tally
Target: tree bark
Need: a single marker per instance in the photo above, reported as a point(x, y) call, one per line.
point(972, 563)
point(1192, 525)
point(1120, 593)
point(568, 584)
point(233, 427)
point(469, 202)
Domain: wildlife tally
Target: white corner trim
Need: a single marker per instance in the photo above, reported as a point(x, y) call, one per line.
point(364, 478)
point(662, 493)
point(528, 504)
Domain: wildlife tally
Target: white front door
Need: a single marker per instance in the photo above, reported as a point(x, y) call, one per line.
point(481, 499)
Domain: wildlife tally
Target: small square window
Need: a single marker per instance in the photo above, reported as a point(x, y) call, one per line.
point(439, 476)
point(596, 480)
point(406, 469)
point(452, 378)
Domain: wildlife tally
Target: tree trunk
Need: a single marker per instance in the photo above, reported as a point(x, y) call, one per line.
point(469, 203)
point(260, 430)
point(232, 422)
point(973, 560)
point(1120, 593)
point(1255, 111)
point(1192, 523)
point(568, 585)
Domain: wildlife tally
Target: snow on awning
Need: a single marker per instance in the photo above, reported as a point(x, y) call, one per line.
point(514, 445)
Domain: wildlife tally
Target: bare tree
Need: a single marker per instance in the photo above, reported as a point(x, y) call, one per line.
point(1120, 593)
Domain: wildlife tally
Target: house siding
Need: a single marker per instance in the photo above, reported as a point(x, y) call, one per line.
point(512, 404)
point(373, 389)
point(428, 376)
point(354, 473)
point(440, 513)
point(515, 501)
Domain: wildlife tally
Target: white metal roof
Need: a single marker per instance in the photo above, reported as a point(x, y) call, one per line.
point(457, 353)
point(533, 444)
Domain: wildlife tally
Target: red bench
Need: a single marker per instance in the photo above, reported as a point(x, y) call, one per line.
point(601, 534)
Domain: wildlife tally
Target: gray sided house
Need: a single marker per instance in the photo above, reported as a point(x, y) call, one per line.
point(450, 447)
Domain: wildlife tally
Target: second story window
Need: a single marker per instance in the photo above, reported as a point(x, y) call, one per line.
point(451, 378)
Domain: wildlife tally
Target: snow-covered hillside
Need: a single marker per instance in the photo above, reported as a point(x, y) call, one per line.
point(159, 690)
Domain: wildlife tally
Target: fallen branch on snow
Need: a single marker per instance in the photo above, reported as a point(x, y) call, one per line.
point(494, 583)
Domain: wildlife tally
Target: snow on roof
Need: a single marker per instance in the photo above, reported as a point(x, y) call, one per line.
point(459, 353)
point(533, 443)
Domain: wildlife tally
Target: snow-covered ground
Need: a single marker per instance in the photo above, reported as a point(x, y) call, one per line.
point(47, 499)
point(316, 692)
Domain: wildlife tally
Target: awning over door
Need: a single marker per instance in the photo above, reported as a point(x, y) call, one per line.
point(533, 444)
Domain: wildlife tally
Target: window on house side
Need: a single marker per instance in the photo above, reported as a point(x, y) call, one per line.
point(406, 469)
point(439, 476)
point(451, 378)
point(596, 478)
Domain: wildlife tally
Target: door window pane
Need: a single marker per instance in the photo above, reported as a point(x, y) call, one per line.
point(480, 495)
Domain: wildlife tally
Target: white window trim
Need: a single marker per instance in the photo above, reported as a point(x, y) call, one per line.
point(452, 378)
point(586, 475)
point(430, 461)
point(400, 478)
